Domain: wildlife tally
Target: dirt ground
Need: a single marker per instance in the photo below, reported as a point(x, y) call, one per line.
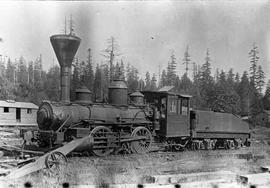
point(134, 168)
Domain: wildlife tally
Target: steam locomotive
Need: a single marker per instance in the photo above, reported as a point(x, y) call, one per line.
point(130, 123)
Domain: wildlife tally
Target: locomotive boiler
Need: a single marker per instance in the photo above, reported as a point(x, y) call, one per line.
point(130, 123)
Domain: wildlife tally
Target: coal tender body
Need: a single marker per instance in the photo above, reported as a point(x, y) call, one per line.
point(130, 124)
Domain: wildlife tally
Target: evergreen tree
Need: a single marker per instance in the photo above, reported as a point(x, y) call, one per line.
point(195, 71)
point(38, 74)
point(185, 84)
point(255, 88)
point(222, 82)
point(153, 83)
point(237, 78)
point(260, 79)
point(110, 53)
point(105, 81)
point(171, 70)
point(106, 72)
point(89, 73)
point(141, 85)
point(216, 77)
point(186, 60)
point(178, 84)
point(236, 81)
point(243, 92)
point(266, 98)
point(147, 81)
point(117, 72)
point(31, 73)
point(81, 68)
point(256, 105)
point(10, 71)
point(230, 81)
point(7, 89)
point(98, 93)
point(207, 83)
point(52, 85)
point(206, 69)
point(122, 70)
point(22, 75)
point(75, 78)
point(197, 97)
point(254, 58)
point(132, 78)
point(163, 80)
point(2, 68)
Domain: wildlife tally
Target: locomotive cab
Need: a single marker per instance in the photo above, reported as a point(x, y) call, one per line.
point(173, 110)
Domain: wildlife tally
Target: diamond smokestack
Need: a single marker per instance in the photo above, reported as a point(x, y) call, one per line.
point(65, 48)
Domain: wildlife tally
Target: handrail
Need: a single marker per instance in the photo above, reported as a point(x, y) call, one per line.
point(63, 123)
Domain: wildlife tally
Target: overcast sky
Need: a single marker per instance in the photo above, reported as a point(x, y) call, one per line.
point(146, 32)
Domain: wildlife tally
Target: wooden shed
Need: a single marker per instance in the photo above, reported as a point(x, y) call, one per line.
point(14, 113)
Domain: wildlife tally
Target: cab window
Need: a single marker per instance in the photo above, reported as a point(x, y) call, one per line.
point(172, 106)
point(183, 106)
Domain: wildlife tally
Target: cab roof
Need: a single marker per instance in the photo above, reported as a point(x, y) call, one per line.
point(165, 93)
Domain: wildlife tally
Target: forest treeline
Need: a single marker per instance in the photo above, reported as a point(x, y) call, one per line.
point(219, 90)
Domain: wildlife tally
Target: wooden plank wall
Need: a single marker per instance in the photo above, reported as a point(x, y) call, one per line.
point(9, 118)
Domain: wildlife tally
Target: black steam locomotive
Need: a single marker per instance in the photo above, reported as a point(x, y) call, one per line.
point(130, 123)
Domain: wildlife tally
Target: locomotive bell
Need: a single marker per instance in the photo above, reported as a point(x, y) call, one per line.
point(137, 98)
point(65, 48)
point(118, 93)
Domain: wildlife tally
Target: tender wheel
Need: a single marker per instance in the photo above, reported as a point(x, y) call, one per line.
point(207, 144)
point(177, 148)
point(126, 148)
point(229, 144)
point(238, 143)
point(197, 145)
point(193, 146)
point(226, 144)
point(101, 145)
point(142, 145)
point(232, 145)
point(180, 144)
point(55, 160)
